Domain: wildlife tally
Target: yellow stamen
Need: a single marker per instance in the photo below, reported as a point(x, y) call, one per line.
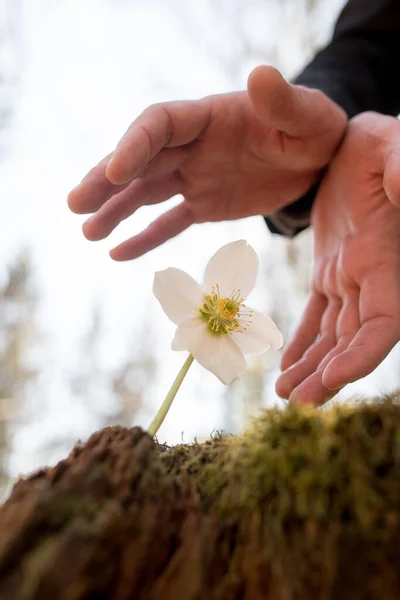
point(225, 315)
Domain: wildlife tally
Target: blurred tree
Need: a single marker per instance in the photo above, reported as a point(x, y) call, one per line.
point(284, 33)
point(17, 328)
point(107, 395)
point(113, 396)
point(17, 301)
point(10, 63)
point(131, 382)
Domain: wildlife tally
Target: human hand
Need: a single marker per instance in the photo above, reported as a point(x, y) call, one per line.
point(352, 319)
point(230, 156)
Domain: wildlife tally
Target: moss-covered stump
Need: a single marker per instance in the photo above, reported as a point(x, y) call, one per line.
point(304, 506)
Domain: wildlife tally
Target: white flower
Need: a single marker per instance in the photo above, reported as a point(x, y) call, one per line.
point(214, 324)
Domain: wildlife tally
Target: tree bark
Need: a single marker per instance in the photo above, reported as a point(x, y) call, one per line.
point(305, 505)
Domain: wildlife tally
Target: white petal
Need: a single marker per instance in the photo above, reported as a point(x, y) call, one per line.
point(219, 354)
point(185, 332)
point(262, 335)
point(179, 294)
point(233, 267)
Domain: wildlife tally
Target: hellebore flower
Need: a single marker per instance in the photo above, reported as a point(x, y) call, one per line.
point(214, 324)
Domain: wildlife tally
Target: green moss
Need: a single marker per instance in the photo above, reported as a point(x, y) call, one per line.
point(302, 462)
point(313, 495)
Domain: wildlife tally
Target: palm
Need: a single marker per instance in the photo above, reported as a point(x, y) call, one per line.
point(352, 320)
point(229, 156)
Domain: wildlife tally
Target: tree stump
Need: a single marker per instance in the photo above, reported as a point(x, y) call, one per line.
point(306, 505)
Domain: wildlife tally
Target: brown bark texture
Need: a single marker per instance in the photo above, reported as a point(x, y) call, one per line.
point(305, 505)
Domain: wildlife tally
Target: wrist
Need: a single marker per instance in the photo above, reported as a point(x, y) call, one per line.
point(295, 217)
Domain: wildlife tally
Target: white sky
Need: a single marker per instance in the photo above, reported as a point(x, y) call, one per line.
point(89, 68)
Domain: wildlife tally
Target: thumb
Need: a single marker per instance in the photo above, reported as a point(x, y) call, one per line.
point(295, 110)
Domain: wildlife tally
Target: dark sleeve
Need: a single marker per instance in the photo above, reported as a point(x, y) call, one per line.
point(359, 70)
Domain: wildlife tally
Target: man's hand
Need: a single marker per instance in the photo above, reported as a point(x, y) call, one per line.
point(352, 320)
point(229, 156)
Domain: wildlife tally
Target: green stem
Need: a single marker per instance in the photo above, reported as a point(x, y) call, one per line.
point(166, 405)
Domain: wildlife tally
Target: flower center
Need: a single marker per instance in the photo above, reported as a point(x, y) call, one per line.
point(225, 315)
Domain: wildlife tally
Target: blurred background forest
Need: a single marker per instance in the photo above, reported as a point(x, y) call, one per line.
point(83, 344)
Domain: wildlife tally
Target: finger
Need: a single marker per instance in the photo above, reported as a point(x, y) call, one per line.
point(141, 192)
point(391, 176)
point(370, 347)
point(299, 371)
point(312, 391)
point(348, 322)
point(347, 326)
point(162, 229)
point(93, 191)
point(378, 333)
point(290, 379)
point(307, 330)
point(160, 126)
point(295, 110)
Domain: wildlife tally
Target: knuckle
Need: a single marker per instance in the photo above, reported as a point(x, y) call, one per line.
point(144, 129)
point(158, 116)
point(317, 95)
point(152, 108)
point(371, 128)
point(364, 119)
